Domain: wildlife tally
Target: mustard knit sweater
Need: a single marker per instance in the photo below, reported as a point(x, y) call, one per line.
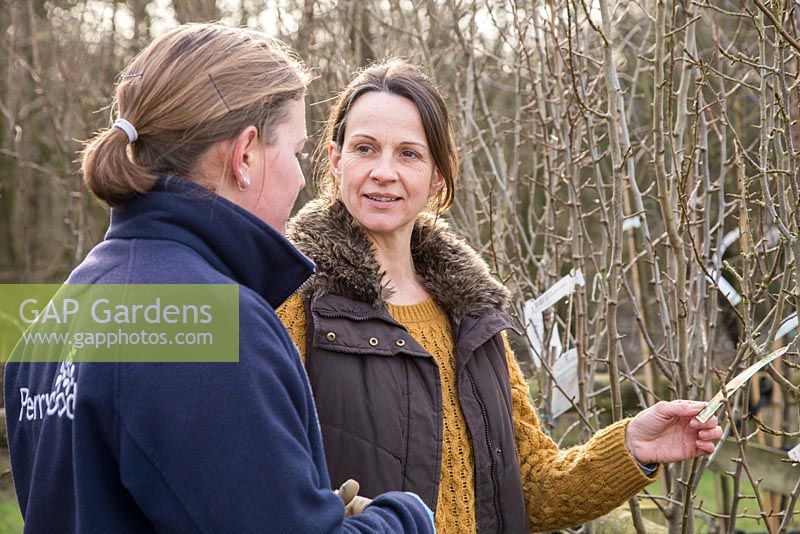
point(562, 488)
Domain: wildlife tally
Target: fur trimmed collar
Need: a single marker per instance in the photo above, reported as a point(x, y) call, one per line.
point(450, 269)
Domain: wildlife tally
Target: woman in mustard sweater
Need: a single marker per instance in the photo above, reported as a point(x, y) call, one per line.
point(402, 334)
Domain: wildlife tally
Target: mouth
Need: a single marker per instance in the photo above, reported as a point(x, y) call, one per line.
point(382, 198)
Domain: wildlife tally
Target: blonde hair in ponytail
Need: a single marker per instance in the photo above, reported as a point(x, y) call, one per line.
point(190, 88)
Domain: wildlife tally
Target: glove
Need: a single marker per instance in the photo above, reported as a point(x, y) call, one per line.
point(353, 503)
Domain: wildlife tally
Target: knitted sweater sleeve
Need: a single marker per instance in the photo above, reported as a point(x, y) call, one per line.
point(569, 487)
point(292, 314)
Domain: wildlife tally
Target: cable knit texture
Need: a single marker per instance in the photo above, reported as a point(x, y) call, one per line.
point(561, 487)
point(455, 509)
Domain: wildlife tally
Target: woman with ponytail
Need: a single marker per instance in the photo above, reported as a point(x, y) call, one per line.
point(200, 170)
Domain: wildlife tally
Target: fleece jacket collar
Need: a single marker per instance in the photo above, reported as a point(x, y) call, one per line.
point(230, 238)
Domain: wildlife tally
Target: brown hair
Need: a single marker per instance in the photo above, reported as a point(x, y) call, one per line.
point(190, 88)
point(401, 78)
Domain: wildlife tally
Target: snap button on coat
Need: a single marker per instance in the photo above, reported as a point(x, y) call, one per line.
point(400, 342)
point(373, 341)
point(330, 336)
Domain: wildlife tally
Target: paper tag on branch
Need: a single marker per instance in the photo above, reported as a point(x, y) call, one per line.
point(535, 330)
point(736, 382)
point(787, 326)
point(631, 223)
point(794, 454)
point(565, 374)
point(724, 286)
point(563, 288)
point(534, 320)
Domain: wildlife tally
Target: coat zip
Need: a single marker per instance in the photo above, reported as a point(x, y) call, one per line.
point(493, 470)
point(360, 318)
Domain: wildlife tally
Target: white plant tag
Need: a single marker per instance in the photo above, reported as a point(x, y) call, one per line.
point(534, 328)
point(794, 454)
point(737, 382)
point(724, 287)
point(787, 326)
point(565, 374)
point(563, 288)
point(630, 224)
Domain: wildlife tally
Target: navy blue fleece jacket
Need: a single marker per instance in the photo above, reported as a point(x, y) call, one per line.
point(188, 447)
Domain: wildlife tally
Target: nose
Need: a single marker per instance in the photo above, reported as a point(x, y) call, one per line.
point(384, 170)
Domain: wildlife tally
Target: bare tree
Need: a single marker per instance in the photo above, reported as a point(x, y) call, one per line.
point(653, 145)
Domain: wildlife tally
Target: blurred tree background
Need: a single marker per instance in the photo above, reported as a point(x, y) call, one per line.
point(652, 145)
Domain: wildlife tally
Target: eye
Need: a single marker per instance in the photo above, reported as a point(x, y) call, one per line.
point(363, 149)
point(409, 154)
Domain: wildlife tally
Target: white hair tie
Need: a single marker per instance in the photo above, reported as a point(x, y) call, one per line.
point(128, 128)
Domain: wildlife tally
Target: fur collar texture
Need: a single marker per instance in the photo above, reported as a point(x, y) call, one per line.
point(450, 269)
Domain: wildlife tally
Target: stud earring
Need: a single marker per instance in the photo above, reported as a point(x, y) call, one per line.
point(244, 183)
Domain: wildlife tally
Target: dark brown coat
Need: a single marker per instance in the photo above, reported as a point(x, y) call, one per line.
point(377, 390)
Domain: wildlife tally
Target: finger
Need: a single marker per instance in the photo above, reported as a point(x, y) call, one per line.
point(710, 434)
point(356, 506)
point(704, 447)
point(681, 408)
point(711, 423)
point(348, 509)
point(348, 491)
point(359, 503)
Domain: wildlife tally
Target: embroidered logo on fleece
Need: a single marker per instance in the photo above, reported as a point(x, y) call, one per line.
point(60, 402)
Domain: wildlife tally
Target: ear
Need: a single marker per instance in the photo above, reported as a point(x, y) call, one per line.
point(437, 182)
point(245, 153)
point(335, 160)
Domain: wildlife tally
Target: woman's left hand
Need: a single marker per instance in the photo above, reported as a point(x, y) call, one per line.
point(669, 432)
